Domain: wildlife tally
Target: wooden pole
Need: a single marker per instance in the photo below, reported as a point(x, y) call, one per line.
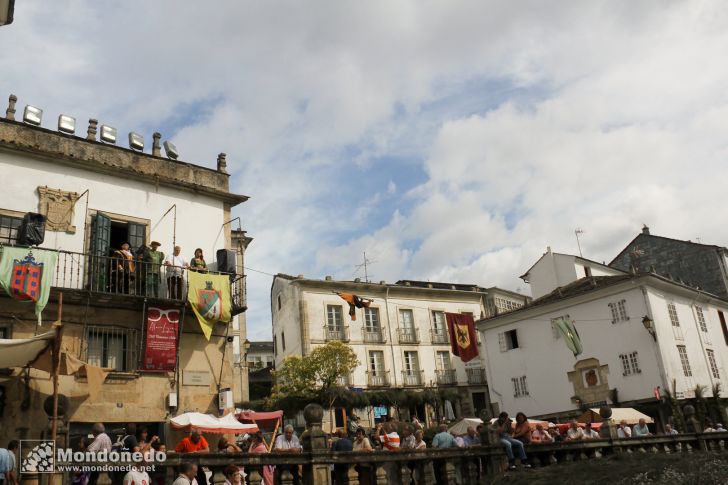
point(56, 359)
point(273, 437)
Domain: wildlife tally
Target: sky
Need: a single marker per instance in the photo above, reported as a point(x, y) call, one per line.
point(452, 141)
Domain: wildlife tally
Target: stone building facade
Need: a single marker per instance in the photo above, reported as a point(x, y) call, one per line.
point(96, 195)
point(695, 264)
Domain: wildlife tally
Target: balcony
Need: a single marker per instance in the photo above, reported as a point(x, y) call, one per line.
point(110, 277)
point(380, 379)
point(408, 336)
point(446, 377)
point(336, 333)
point(412, 378)
point(476, 377)
point(343, 381)
point(439, 336)
point(373, 335)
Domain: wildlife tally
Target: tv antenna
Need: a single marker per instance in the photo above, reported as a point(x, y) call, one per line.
point(364, 265)
point(578, 231)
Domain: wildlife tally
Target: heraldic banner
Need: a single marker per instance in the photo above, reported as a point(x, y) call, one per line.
point(463, 340)
point(160, 348)
point(27, 275)
point(209, 297)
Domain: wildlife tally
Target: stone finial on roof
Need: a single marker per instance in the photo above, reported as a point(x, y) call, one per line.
point(10, 112)
point(221, 163)
point(645, 229)
point(91, 133)
point(156, 147)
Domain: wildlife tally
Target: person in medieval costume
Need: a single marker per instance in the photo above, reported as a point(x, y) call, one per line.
point(152, 261)
point(125, 268)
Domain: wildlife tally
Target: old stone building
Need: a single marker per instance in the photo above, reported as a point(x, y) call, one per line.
point(695, 264)
point(97, 195)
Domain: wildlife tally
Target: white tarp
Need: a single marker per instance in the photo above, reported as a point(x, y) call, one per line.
point(630, 415)
point(21, 352)
point(207, 423)
point(461, 427)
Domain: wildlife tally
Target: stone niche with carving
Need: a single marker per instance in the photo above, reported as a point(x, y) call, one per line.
point(58, 207)
point(590, 380)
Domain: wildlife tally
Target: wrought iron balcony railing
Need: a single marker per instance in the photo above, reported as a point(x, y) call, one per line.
point(133, 278)
point(476, 376)
point(439, 336)
point(336, 333)
point(446, 377)
point(408, 335)
point(412, 378)
point(380, 379)
point(373, 335)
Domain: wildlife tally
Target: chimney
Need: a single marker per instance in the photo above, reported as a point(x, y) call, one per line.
point(645, 229)
point(91, 133)
point(382, 282)
point(156, 148)
point(357, 280)
point(328, 278)
point(221, 163)
point(10, 112)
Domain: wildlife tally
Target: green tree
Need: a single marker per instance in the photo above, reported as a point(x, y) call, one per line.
point(314, 377)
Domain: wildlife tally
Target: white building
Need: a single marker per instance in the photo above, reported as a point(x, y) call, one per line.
point(553, 270)
point(401, 340)
point(531, 369)
point(96, 195)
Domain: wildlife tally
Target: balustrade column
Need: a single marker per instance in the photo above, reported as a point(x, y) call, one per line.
point(314, 439)
point(352, 476)
point(286, 477)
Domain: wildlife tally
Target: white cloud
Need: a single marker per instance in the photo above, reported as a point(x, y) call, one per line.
point(601, 115)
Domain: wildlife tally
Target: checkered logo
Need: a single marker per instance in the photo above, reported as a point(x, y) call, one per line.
point(37, 456)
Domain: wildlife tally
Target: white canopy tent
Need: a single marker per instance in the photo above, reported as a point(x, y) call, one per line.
point(207, 423)
point(630, 415)
point(461, 427)
point(21, 352)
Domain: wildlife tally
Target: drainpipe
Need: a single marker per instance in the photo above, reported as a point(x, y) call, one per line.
point(391, 342)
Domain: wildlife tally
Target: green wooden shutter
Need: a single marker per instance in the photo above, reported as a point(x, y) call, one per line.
point(100, 247)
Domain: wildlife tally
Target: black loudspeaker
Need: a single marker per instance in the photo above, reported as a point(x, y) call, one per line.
point(226, 261)
point(32, 230)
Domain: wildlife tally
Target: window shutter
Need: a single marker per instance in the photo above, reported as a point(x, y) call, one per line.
point(100, 247)
point(502, 342)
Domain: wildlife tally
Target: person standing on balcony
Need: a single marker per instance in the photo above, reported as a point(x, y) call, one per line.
point(198, 262)
point(125, 268)
point(176, 265)
point(152, 261)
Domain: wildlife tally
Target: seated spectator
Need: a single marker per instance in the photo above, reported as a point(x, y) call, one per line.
point(419, 440)
point(554, 432)
point(623, 431)
point(472, 438)
point(224, 446)
point(670, 430)
point(232, 475)
point(503, 427)
point(361, 442)
point(523, 429)
point(575, 433)
point(459, 441)
point(719, 428)
point(589, 433)
point(408, 439)
point(641, 429)
point(343, 443)
point(539, 435)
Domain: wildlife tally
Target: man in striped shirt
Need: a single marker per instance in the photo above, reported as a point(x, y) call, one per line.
point(389, 438)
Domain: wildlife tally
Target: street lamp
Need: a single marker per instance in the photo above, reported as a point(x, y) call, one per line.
point(649, 326)
point(7, 7)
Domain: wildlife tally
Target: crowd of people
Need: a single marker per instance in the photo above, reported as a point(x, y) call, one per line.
point(141, 271)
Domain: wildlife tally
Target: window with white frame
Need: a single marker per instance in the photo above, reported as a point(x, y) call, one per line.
point(443, 361)
point(407, 318)
point(630, 364)
point(619, 311)
point(334, 317)
point(554, 329)
point(713, 364)
point(701, 319)
point(508, 340)
point(438, 322)
point(371, 319)
point(520, 388)
point(376, 362)
point(411, 363)
point(673, 314)
point(684, 360)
